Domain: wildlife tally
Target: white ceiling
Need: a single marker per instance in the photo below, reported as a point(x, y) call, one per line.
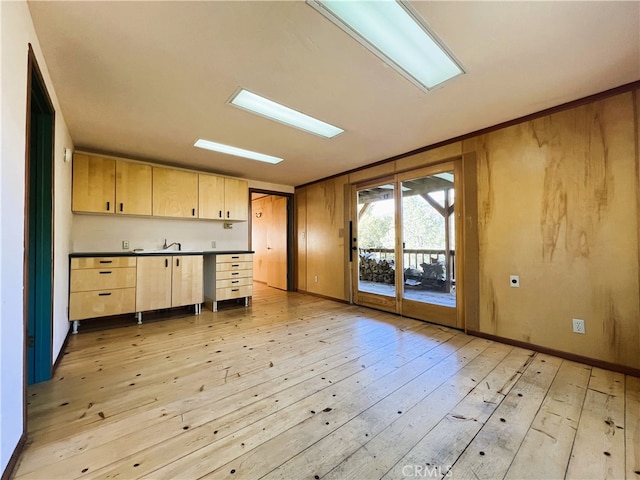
point(146, 79)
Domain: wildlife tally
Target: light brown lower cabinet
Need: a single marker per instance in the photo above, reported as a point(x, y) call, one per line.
point(106, 286)
point(100, 287)
point(228, 277)
point(168, 281)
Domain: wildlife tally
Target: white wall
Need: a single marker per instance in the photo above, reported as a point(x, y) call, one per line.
point(105, 233)
point(16, 32)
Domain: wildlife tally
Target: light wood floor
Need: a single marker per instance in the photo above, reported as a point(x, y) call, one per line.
point(298, 387)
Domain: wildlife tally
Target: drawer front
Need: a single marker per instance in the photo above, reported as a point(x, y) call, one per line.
point(224, 275)
point(234, 292)
point(234, 282)
point(102, 262)
point(225, 267)
point(102, 279)
point(101, 303)
point(234, 258)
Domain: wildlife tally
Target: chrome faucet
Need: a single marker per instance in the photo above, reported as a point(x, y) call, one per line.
point(165, 246)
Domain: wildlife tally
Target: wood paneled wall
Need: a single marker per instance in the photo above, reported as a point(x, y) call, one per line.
point(558, 200)
point(323, 266)
point(557, 205)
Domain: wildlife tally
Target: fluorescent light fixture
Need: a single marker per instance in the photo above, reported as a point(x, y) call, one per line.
point(397, 35)
point(275, 111)
point(238, 152)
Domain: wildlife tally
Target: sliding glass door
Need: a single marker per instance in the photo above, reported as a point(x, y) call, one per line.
point(406, 235)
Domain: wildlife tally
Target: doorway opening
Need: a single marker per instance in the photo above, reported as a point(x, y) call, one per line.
point(38, 255)
point(271, 236)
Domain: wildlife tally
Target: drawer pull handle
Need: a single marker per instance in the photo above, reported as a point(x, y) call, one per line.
point(235, 273)
point(235, 257)
point(235, 264)
point(121, 207)
point(108, 206)
point(220, 214)
point(104, 294)
point(106, 261)
point(106, 273)
point(235, 281)
point(235, 289)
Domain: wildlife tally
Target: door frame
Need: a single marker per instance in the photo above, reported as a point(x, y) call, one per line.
point(43, 338)
point(290, 231)
point(455, 318)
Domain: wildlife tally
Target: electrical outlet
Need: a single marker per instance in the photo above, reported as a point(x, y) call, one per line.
point(213, 244)
point(514, 281)
point(315, 279)
point(125, 244)
point(578, 326)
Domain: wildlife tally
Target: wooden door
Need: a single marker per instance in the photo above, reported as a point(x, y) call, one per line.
point(133, 188)
point(211, 196)
point(277, 243)
point(236, 199)
point(260, 223)
point(153, 283)
point(175, 193)
point(187, 280)
point(93, 185)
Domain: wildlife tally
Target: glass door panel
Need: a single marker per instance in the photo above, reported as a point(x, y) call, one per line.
point(428, 246)
point(376, 246)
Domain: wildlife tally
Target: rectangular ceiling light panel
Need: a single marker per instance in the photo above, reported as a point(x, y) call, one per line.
point(396, 34)
point(238, 152)
point(274, 111)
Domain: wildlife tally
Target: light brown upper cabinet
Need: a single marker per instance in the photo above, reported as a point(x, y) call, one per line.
point(106, 185)
point(93, 184)
point(133, 188)
point(175, 193)
point(211, 196)
point(123, 187)
point(223, 198)
point(236, 199)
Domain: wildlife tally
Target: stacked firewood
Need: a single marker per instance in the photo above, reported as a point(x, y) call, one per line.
point(374, 269)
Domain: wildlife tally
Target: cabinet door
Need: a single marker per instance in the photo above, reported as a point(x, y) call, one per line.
point(133, 188)
point(187, 280)
point(236, 199)
point(175, 193)
point(211, 196)
point(153, 283)
point(93, 185)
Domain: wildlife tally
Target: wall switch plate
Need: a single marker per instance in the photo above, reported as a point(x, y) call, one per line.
point(578, 326)
point(227, 225)
point(514, 281)
point(125, 244)
point(213, 244)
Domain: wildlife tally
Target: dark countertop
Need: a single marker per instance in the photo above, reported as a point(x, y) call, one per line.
point(156, 253)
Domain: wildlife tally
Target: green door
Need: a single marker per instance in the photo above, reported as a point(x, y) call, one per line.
point(39, 232)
